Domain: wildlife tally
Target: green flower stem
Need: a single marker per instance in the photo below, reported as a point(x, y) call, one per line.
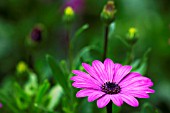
point(109, 107)
point(131, 55)
point(31, 62)
point(30, 59)
point(105, 42)
point(69, 48)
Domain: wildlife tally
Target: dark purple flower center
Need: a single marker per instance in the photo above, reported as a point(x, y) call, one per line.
point(111, 88)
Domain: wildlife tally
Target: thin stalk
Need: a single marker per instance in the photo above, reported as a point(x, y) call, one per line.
point(131, 55)
point(109, 107)
point(30, 59)
point(69, 48)
point(105, 42)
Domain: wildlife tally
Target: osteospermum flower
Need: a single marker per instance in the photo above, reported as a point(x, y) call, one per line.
point(110, 81)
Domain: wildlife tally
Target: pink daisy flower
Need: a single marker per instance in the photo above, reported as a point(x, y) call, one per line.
point(110, 81)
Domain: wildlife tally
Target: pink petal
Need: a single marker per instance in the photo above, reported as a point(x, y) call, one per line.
point(109, 68)
point(135, 88)
point(82, 76)
point(100, 70)
point(80, 73)
point(121, 73)
point(91, 93)
point(130, 76)
point(138, 94)
point(130, 100)
point(117, 100)
point(95, 95)
point(76, 78)
point(136, 81)
point(92, 72)
point(150, 91)
point(84, 80)
point(86, 85)
point(103, 101)
point(117, 66)
point(83, 93)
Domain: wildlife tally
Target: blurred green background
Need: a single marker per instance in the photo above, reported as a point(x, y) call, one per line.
point(150, 17)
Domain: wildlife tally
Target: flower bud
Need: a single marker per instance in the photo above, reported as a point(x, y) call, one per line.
point(132, 35)
point(132, 32)
point(108, 13)
point(1, 105)
point(21, 67)
point(36, 34)
point(68, 14)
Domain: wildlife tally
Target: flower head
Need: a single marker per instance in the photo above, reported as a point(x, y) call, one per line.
point(110, 81)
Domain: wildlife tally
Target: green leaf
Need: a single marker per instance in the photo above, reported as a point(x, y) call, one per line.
point(69, 106)
point(32, 84)
point(21, 98)
point(85, 107)
point(78, 32)
point(111, 29)
point(41, 92)
point(57, 72)
point(54, 96)
point(148, 108)
point(87, 54)
point(44, 109)
point(64, 67)
point(123, 41)
point(7, 102)
point(140, 65)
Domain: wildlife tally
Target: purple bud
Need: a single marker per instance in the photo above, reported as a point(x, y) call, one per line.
point(36, 34)
point(1, 105)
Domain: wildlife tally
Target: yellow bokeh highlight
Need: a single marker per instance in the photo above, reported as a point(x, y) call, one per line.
point(132, 32)
point(69, 11)
point(21, 67)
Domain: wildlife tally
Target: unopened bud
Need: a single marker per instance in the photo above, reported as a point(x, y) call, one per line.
point(36, 34)
point(21, 67)
point(1, 105)
point(68, 14)
point(108, 12)
point(132, 32)
point(132, 35)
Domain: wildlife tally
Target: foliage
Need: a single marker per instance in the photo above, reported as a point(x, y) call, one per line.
point(41, 84)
